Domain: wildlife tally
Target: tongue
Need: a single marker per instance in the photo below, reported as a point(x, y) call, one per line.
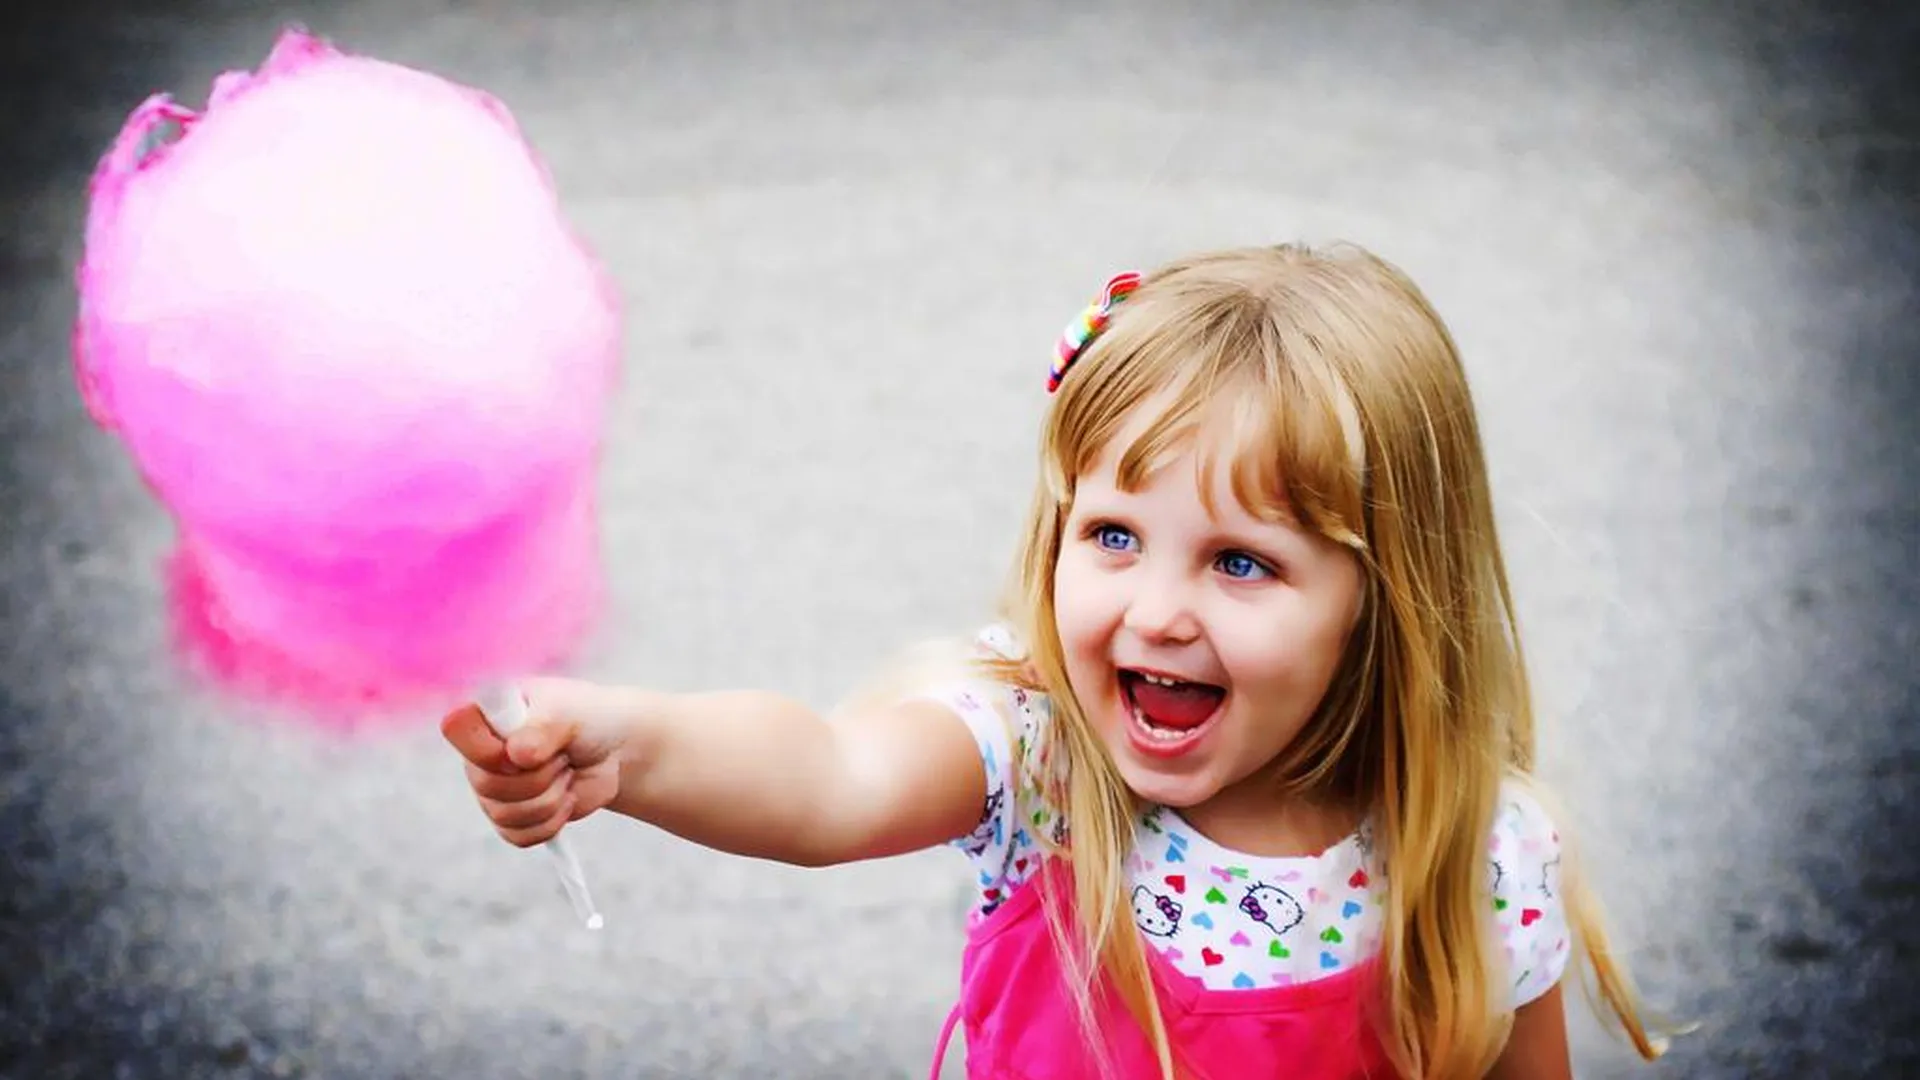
point(1186, 705)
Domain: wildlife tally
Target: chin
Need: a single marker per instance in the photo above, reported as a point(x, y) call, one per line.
point(1179, 791)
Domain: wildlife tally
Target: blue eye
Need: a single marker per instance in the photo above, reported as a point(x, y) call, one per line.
point(1241, 566)
point(1111, 538)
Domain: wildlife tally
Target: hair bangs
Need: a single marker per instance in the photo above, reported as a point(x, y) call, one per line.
point(1146, 358)
point(1240, 391)
point(1296, 446)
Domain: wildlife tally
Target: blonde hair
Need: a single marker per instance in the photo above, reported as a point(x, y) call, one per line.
point(1335, 394)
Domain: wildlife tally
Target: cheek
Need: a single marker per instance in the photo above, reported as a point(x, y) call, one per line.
point(1331, 636)
point(1085, 620)
point(1287, 656)
point(1079, 605)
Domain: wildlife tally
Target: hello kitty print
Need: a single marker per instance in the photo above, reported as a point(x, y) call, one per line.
point(1250, 922)
point(1235, 921)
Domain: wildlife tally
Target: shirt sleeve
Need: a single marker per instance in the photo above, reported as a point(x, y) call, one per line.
point(1526, 895)
point(1003, 720)
point(982, 707)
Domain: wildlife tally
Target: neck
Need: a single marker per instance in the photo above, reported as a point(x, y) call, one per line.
point(1265, 820)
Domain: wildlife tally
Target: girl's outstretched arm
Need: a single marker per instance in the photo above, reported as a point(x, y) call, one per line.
point(758, 774)
point(745, 772)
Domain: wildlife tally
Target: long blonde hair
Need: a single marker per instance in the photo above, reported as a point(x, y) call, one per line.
point(1335, 394)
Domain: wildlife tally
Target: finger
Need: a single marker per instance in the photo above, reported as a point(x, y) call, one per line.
point(528, 813)
point(465, 728)
point(514, 786)
point(593, 787)
point(544, 831)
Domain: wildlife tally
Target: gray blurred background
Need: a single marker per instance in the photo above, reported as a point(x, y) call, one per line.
point(1678, 248)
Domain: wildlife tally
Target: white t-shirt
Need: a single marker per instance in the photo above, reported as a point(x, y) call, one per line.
point(1237, 921)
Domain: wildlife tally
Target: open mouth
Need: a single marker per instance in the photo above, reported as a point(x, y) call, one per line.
point(1168, 710)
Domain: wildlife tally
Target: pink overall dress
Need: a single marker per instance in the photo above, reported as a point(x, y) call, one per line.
point(1020, 1021)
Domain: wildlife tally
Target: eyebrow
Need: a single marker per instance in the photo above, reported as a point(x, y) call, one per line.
point(1256, 533)
point(1287, 543)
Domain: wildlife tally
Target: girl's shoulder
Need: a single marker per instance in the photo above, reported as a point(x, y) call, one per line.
point(1523, 831)
point(1524, 850)
point(993, 688)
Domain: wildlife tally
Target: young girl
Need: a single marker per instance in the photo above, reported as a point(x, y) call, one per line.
point(1244, 772)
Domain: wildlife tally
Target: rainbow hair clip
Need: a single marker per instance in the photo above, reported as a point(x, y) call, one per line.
point(1081, 332)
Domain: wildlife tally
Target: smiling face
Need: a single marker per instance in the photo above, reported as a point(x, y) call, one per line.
point(1246, 618)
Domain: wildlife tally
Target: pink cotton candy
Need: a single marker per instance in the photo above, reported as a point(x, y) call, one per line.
point(345, 332)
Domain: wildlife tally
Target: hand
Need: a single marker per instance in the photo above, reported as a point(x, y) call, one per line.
point(562, 765)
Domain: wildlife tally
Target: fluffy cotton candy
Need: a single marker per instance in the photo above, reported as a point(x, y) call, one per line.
point(352, 344)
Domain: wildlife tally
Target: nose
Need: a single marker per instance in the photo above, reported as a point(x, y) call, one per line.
point(1161, 610)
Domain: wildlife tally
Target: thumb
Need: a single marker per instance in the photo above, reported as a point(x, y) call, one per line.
point(539, 741)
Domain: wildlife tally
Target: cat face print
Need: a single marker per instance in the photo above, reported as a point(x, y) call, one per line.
point(1156, 915)
point(1272, 907)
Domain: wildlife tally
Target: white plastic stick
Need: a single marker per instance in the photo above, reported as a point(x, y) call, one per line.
point(506, 711)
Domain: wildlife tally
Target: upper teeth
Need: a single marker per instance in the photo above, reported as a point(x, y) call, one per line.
point(1160, 680)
